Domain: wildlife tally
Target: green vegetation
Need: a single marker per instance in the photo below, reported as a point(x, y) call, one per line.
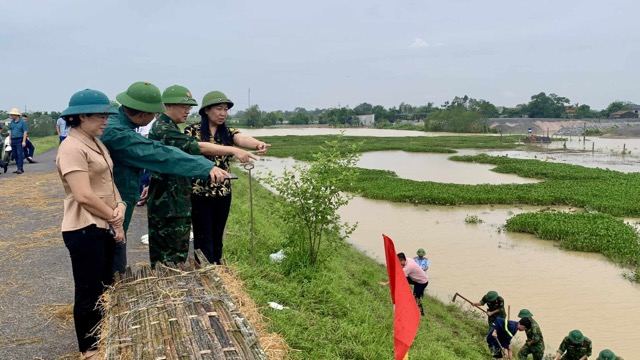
point(606, 191)
point(590, 232)
point(473, 219)
point(303, 147)
point(312, 200)
point(337, 310)
point(44, 143)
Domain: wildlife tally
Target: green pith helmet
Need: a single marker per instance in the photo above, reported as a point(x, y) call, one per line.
point(89, 101)
point(525, 313)
point(177, 94)
point(606, 354)
point(421, 252)
point(142, 96)
point(214, 98)
point(492, 296)
point(576, 336)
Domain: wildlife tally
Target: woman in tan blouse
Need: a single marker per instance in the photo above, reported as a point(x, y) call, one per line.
point(93, 210)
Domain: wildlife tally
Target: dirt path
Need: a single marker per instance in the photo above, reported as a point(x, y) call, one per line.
point(36, 284)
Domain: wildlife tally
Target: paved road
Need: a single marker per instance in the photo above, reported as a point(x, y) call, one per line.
point(35, 270)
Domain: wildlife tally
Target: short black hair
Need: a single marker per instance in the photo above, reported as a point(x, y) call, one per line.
point(73, 120)
point(401, 256)
point(526, 322)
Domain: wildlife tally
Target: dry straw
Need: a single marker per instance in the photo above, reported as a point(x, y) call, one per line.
point(177, 312)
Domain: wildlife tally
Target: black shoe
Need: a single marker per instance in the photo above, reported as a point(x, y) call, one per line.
point(31, 161)
point(6, 165)
point(19, 172)
point(15, 172)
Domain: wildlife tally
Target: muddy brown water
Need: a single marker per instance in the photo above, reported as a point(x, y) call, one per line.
point(565, 290)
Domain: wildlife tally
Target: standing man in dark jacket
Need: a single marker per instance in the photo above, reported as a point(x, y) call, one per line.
point(18, 131)
point(132, 152)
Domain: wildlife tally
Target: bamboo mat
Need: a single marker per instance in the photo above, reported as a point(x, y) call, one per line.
point(174, 312)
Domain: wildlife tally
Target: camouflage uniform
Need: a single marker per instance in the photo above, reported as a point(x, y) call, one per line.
point(494, 305)
point(534, 344)
point(573, 351)
point(169, 201)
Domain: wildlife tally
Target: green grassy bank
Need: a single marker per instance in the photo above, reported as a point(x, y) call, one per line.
point(338, 310)
point(45, 143)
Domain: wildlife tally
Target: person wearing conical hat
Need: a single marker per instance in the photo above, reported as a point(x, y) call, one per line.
point(210, 202)
point(574, 346)
point(132, 152)
point(169, 197)
point(92, 206)
point(18, 131)
point(535, 342)
point(495, 306)
point(607, 354)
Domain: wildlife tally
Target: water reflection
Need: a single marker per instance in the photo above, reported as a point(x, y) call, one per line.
point(437, 168)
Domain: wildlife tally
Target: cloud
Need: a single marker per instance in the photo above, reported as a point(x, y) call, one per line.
point(419, 43)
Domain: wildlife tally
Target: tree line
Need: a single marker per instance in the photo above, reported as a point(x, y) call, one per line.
point(461, 114)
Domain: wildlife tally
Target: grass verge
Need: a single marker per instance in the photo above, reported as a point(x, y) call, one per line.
point(337, 310)
point(45, 143)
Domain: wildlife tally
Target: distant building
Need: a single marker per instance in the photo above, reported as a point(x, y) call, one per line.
point(570, 112)
point(635, 108)
point(366, 120)
point(624, 114)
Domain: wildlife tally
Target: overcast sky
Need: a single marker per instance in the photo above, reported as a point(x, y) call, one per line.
point(310, 54)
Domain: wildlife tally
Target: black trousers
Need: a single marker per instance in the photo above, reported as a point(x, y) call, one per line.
point(209, 218)
point(91, 250)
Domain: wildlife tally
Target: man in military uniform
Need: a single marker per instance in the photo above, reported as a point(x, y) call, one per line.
point(535, 342)
point(575, 346)
point(132, 152)
point(607, 354)
point(495, 306)
point(169, 199)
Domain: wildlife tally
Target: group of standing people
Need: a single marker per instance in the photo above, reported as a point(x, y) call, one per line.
point(100, 163)
point(574, 346)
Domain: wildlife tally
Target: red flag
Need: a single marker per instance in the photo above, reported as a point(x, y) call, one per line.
point(406, 315)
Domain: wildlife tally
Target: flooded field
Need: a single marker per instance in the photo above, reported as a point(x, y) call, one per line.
point(564, 290)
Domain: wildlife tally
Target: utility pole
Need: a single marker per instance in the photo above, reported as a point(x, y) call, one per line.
point(249, 97)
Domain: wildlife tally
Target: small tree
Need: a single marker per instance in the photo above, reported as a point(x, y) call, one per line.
point(312, 200)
